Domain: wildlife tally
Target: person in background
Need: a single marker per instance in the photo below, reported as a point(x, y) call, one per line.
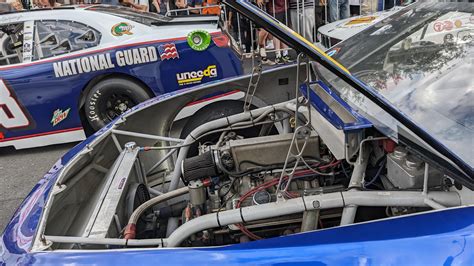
point(194, 6)
point(212, 9)
point(179, 4)
point(45, 4)
point(142, 4)
point(263, 36)
point(279, 10)
point(131, 4)
point(15, 4)
point(5, 8)
point(110, 2)
point(159, 6)
point(240, 29)
point(338, 9)
point(303, 19)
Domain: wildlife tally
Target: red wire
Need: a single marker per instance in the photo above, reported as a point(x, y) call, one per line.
point(270, 184)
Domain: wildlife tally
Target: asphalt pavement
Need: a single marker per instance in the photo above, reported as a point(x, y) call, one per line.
point(20, 171)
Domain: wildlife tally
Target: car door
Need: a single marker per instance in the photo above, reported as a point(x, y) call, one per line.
point(15, 49)
point(49, 103)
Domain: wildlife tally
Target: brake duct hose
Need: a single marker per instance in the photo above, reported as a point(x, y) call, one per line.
point(130, 229)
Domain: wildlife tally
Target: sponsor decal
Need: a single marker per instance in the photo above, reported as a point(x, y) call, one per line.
point(122, 182)
point(199, 40)
point(168, 51)
point(26, 48)
point(448, 38)
point(93, 114)
point(121, 29)
point(104, 61)
point(361, 20)
point(447, 25)
point(59, 115)
point(28, 41)
point(195, 77)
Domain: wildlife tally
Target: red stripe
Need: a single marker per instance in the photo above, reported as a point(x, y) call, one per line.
point(213, 97)
point(98, 51)
point(42, 134)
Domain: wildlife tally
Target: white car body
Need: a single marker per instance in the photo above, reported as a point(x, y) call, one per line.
point(332, 33)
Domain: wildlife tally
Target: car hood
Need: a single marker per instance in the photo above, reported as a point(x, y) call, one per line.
point(346, 28)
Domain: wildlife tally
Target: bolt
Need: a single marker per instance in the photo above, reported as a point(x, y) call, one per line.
point(316, 204)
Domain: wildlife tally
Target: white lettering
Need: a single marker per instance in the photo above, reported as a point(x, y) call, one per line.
point(103, 62)
point(144, 55)
point(58, 70)
point(136, 57)
point(109, 61)
point(66, 69)
point(11, 115)
point(85, 64)
point(152, 53)
point(119, 58)
point(94, 63)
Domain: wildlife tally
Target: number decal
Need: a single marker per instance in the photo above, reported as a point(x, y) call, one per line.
point(11, 114)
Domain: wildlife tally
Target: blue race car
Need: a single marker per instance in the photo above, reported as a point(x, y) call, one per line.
point(360, 158)
point(69, 71)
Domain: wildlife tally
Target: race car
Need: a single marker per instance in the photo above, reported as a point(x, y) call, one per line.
point(66, 72)
point(335, 32)
point(355, 159)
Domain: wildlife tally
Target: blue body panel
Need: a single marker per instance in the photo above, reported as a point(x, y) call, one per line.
point(328, 113)
point(40, 92)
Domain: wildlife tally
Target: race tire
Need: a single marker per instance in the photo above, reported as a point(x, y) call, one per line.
point(110, 98)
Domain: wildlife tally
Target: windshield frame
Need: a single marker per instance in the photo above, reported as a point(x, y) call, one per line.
point(301, 45)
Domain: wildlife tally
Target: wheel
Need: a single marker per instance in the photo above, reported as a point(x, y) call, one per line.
point(110, 98)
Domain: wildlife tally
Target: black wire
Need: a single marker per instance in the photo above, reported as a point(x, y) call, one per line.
point(225, 194)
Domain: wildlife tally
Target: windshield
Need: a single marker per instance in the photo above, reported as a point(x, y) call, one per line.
point(146, 18)
point(421, 60)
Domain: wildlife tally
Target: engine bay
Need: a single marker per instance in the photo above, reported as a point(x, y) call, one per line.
point(302, 165)
point(269, 172)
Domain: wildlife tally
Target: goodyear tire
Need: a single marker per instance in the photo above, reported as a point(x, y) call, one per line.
point(110, 98)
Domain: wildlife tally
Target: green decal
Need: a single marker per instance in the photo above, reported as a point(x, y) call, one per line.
point(199, 40)
point(121, 29)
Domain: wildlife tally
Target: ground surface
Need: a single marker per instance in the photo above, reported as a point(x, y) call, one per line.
point(20, 171)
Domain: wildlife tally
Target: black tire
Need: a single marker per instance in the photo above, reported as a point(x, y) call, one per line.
point(111, 97)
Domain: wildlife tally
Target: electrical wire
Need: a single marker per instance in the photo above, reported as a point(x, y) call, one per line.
point(269, 184)
point(382, 164)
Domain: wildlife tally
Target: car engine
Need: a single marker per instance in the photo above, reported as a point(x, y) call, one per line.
point(269, 172)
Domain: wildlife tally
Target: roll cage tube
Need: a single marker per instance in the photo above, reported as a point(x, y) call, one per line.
point(300, 44)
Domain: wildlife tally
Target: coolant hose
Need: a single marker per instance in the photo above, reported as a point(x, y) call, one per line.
point(130, 229)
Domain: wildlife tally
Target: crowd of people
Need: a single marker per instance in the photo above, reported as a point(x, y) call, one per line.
point(173, 7)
